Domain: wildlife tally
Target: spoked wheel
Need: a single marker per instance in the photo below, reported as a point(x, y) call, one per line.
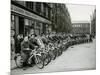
point(56, 52)
point(31, 61)
point(52, 55)
point(60, 51)
point(49, 57)
point(64, 48)
point(47, 60)
point(39, 62)
point(19, 61)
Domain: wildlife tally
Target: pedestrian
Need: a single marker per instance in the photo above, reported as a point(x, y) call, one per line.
point(12, 47)
point(18, 44)
point(12, 44)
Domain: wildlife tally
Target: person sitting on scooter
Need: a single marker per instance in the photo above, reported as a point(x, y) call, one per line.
point(25, 49)
point(33, 42)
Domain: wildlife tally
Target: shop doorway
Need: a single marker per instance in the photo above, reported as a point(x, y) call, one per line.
point(21, 25)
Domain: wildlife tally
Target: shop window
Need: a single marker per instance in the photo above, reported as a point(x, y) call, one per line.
point(41, 28)
point(47, 29)
point(29, 24)
point(33, 23)
point(26, 30)
point(41, 31)
point(26, 22)
point(40, 25)
point(37, 32)
point(37, 26)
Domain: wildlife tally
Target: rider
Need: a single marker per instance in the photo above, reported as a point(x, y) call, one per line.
point(33, 41)
point(26, 47)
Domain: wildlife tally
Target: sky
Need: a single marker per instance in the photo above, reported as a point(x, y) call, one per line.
point(80, 12)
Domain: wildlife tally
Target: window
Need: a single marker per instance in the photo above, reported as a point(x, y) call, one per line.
point(44, 10)
point(41, 28)
point(29, 24)
point(26, 22)
point(38, 7)
point(47, 28)
point(33, 23)
point(36, 24)
point(30, 5)
point(49, 13)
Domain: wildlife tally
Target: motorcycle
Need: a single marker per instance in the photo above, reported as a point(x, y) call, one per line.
point(28, 56)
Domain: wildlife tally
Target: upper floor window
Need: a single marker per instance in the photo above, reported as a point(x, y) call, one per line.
point(49, 13)
point(30, 5)
point(38, 7)
point(44, 10)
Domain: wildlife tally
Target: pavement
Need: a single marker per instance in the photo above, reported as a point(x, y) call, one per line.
point(77, 57)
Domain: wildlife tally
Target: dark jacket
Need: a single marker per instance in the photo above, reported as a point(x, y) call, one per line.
point(24, 45)
point(33, 43)
point(18, 45)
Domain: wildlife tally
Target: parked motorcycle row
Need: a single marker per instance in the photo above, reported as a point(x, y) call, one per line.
point(50, 48)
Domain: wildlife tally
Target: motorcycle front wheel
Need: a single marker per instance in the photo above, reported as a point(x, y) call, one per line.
point(39, 62)
point(47, 60)
point(52, 55)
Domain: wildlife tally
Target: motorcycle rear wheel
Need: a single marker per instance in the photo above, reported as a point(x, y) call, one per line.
point(19, 61)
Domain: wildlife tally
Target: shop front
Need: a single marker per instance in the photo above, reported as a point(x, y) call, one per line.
point(24, 22)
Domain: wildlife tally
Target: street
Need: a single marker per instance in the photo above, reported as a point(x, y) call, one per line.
point(77, 57)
